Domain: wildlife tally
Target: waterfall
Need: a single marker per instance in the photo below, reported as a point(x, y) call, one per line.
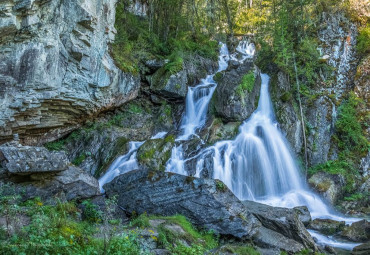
point(125, 163)
point(258, 164)
point(198, 98)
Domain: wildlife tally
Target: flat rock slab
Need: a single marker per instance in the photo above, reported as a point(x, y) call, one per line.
point(210, 205)
point(25, 160)
point(199, 200)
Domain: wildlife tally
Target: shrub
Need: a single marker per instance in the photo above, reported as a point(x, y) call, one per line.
point(363, 40)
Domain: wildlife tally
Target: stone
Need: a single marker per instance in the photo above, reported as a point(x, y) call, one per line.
point(25, 160)
point(303, 214)
point(155, 153)
point(173, 86)
point(164, 193)
point(358, 231)
point(231, 102)
point(362, 249)
point(327, 226)
point(56, 71)
point(210, 205)
point(267, 238)
point(282, 220)
point(71, 184)
point(330, 186)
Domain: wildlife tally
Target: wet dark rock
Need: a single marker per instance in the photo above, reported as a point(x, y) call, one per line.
point(172, 86)
point(327, 226)
point(25, 160)
point(218, 131)
point(155, 153)
point(282, 220)
point(358, 231)
point(163, 193)
point(209, 204)
point(231, 102)
point(331, 186)
point(363, 249)
point(71, 184)
point(330, 249)
point(68, 182)
point(267, 238)
point(98, 144)
point(303, 214)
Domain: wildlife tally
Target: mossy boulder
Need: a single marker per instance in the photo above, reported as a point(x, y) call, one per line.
point(327, 226)
point(358, 231)
point(237, 93)
point(173, 86)
point(222, 131)
point(331, 186)
point(154, 154)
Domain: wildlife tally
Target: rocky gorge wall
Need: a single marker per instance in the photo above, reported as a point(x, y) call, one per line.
point(337, 47)
point(55, 67)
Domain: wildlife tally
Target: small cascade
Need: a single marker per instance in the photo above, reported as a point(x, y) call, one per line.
point(125, 163)
point(198, 98)
point(197, 102)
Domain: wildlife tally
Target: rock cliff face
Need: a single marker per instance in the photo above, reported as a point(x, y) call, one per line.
point(55, 67)
point(337, 45)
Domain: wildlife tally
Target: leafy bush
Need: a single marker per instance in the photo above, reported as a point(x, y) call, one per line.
point(350, 135)
point(363, 40)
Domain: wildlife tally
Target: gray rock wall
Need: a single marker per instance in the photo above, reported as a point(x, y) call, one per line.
point(337, 45)
point(55, 67)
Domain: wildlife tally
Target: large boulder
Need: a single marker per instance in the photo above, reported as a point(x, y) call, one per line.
point(55, 67)
point(363, 249)
point(28, 160)
point(209, 204)
point(173, 86)
point(202, 201)
point(173, 78)
point(358, 231)
point(327, 226)
point(331, 186)
point(155, 153)
point(285, 221)
point(50, 176)
point(237, 93)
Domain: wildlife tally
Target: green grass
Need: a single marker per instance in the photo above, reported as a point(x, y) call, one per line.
point(247, 84)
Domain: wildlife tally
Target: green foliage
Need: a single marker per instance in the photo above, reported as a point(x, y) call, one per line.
point(355, 197)
point(240, 250)
point(363, 40)
point(78, 161)
point(91, 212)
point(141, 221)
point(351, 139)
point(165, 33)
point(220, 186)
point(247, 84)
point(340, 166)
point(175, 65)
point(58, 230)
point(201, 241)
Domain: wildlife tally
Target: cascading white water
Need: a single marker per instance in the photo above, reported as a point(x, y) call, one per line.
point(198, 98)
point(258, 165)
point(197, 101)
point(125, 163)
